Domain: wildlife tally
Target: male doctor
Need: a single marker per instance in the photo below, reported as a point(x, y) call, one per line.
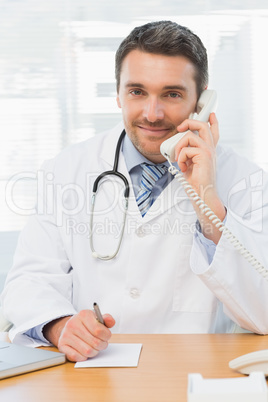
point(174, 271)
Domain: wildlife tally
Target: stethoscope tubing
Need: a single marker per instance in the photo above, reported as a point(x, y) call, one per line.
point(113, 172)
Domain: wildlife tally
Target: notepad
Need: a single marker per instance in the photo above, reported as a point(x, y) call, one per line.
point(116, 355)
point(17, 359)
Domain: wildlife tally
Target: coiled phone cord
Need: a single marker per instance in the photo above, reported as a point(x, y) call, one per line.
point(216, 221)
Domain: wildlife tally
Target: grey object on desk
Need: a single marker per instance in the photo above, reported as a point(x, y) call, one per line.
point(16, 359)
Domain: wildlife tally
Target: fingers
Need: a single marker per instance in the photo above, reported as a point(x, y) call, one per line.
point(189, 156)
point(214, 127)
point(190, 140)
point(90, 325)
point(78, 350)
point(208, 132)
point(207, 138)
point(83, 336)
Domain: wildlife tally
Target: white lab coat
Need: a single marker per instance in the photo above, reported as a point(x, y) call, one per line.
point(160, 281)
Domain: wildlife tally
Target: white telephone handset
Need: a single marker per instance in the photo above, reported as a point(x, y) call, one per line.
point(206, 104)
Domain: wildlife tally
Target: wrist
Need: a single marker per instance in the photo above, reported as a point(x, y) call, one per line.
point(208, 229)
point(52, 331)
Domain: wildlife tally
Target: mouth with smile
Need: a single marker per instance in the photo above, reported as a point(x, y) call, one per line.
point(154, 131)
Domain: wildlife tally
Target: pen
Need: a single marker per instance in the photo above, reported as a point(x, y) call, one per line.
point(98, 313)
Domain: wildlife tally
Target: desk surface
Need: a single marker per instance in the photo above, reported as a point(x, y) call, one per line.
point(162, 373)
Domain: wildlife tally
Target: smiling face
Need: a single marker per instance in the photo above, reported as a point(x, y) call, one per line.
point(156, 94)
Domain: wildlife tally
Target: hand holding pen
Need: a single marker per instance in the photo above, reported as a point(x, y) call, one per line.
point(82, 335)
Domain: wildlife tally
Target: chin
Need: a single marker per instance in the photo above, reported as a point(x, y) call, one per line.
point(153, 155)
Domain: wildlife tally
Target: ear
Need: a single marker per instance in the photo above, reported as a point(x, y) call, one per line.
point(118, 101)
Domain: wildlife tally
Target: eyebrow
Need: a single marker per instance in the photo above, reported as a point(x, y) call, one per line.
point(179, 87)
point(170, 87)
point(134, 84)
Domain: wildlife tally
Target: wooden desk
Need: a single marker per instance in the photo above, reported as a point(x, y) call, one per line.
point(162, 374)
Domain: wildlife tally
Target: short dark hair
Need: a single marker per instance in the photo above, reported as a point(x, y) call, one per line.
point(166, 38)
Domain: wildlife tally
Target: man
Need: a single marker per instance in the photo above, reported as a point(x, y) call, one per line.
point(174, 271)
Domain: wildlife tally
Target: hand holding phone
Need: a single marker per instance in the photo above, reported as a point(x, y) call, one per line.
point(206, 104)
point(197, 161)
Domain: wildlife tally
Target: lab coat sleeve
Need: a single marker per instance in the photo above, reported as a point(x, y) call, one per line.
point(243, 291)
point(234, 281)
point(39, 286)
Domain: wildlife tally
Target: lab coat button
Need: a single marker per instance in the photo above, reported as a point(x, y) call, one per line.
point(140, 231)
point(134, 293)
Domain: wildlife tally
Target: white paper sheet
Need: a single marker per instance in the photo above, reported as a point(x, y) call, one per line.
point(116, 355)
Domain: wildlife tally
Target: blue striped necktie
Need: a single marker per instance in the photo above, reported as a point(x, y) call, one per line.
point(150, 175)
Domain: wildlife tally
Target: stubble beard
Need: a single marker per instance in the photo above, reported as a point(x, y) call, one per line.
point(153, 150)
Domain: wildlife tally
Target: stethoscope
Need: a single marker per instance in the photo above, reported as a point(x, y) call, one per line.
point(113, 172)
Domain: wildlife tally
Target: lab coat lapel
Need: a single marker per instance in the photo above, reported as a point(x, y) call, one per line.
point(172, 196)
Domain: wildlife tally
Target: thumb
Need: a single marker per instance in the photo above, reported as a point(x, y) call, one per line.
point(109, 320)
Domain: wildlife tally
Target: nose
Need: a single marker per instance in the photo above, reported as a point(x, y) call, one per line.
point(153, 110)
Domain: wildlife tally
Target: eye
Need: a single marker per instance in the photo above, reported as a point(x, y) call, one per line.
point(174, 95)
point(136, 92)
